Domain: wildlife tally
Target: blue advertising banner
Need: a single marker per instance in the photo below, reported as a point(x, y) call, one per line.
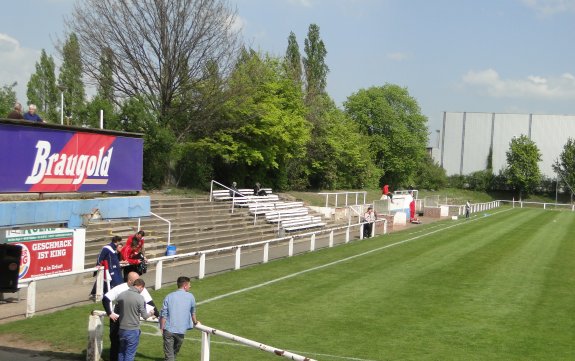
point(48, 159)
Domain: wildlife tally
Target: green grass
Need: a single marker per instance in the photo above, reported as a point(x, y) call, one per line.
point(496, 287)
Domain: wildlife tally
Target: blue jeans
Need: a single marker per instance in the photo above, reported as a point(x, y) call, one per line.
point(129, 340)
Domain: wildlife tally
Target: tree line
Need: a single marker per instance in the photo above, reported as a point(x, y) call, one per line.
point(211, 107)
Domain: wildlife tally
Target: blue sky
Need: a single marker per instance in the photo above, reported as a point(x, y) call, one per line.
point(467, 55)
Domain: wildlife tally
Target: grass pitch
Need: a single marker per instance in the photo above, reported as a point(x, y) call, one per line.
point(496, 287)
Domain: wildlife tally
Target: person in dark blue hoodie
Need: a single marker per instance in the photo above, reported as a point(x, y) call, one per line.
point(108, 258)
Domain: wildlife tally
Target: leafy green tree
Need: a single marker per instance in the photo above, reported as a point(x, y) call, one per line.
point(430, 175)
point(137, 116)
point(264, 124)
point(293, 59)
point(42, 89)
point(522, 170)
point(564, 166)
point(70, 79)
point(7, 99)
point(315, 68)
point(338, 156)
point(397, 131)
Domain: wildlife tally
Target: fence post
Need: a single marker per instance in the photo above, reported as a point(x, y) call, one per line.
point(31, 299)
point(331, 238)
point(100, 284)
point(361, 231)
point(290, 247)
point(95, 340)
point(238, 258)
point(202, 271)
point(159, 270)
point(205, 346)
point(312, 243)
point(266, 252)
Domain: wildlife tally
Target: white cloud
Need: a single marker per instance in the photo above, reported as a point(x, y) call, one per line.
point(550, 7)
point(488, 82)
point(16, 64)
point(238, 24)
point(305, 3)
point(397, 56)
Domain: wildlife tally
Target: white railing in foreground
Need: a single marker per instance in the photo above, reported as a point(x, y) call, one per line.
point(207, 331)
point(345, 195)
point(96, 340)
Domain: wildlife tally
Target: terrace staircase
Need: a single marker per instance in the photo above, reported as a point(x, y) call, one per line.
point(196, 224)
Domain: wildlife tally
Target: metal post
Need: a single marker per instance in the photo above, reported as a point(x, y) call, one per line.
point(62, 106)
point(238, 258)
point(159, 269)
point(266, 252)
point(202, 271)
point(31, 299)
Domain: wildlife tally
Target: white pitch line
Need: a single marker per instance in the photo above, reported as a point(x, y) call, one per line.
point(337, 262)
point(328, 265)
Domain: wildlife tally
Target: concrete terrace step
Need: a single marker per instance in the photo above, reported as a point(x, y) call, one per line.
point(196, 224)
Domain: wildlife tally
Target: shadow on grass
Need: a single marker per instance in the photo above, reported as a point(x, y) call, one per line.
point(20, 354)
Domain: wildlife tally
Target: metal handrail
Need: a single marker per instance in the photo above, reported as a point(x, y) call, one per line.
point(165, 220)
point(327, 194)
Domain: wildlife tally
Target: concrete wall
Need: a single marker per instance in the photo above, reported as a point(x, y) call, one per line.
point(71, 211)
point(467, 137)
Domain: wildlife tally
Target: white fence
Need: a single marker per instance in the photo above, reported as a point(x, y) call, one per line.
point(347, 197)
point(30, 284)
point(475, 207)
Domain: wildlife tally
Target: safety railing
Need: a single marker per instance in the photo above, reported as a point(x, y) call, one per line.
point(30, 284)
point(208, 331)
point(346, 196)
point(96, 340)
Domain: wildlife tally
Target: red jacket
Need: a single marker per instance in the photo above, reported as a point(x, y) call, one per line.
point(131, 255)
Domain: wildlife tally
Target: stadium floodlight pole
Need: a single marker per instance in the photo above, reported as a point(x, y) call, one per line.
point(62, 88)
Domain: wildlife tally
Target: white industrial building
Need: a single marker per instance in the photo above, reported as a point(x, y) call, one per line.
point(465, 139)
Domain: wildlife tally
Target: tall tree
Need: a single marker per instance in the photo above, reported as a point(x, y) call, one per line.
point(265, 124)
point(70, 79)
point(396, 128)
point(153, 42)
point(293, 60)
point(564, 166)
point(7, 99)
point(316, 69)
point(42, 89)
point(522, 169)
point(106, 76)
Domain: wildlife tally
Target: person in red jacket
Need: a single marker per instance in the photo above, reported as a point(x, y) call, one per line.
point(133, 253)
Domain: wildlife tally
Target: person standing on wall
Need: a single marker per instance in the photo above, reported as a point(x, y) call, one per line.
point(32, 116)
point(16, 112)
point(177, 316)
